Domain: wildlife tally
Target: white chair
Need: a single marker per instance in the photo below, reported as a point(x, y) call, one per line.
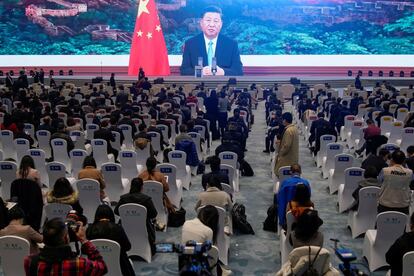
point(324, 140)
point(57, 210)
point(128, 160)
point(408, 264)
point(164, 131)
point(55, 170)
point(8, 171)
point(228, 189)
point(230, 171)
point(78, 138)
point(155, 142)
point(407, 138)
point(178, 158)
point(141, 157)
point(285, 247)
point(390, 226)
point(284, 172)
point(354, 133)
point(29, 129)
point(89, 196)
point(364, 218)
point(196, 137)
point(43, 139)
point(390, 147)
point(7, 144)
point(115, 184)
point(346, 127)
point(396, 130)
point(110, 251)
point(202, 131)
point(13, 250)
point(127, 131)
point(134, 222)
point(100, 152)
point(90, 130)
point(386, 125)
point(77, 156)
point(175, 193)
point(328, 163)
point(336, 175)
point(21, 146)
point(193, 109)
point(60, 152)
point(230, 158)
point(402, 113)
point(154, 189)
point(117, 143)
point(39, 159)
point(223, 240)
point(352, 176)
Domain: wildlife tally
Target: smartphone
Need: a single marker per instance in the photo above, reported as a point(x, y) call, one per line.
point(164, 247)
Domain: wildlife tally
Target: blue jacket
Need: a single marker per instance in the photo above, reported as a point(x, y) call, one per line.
point(286, 193)
point(190, 149)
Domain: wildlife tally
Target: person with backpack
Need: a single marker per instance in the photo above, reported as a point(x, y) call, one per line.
point(305, 231)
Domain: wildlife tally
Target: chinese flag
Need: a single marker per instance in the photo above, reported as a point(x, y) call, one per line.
point(148, 48)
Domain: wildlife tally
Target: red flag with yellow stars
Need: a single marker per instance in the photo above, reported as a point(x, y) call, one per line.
point(148, 48)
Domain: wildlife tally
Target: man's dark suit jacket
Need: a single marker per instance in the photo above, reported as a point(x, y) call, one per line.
point(224, 178)
point(227, 54)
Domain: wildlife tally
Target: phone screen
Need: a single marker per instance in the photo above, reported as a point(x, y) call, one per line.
point(164, 247)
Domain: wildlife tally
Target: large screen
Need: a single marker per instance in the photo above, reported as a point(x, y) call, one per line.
point(261, 27)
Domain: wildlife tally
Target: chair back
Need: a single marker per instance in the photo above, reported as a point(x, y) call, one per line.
point(196, 137)
point(386, 124)
point(368, 201)
point(127, 131)
point(29, 129)
point(134, 222)
point(57, 210)
point(55, 170)
point(128, 160)
point(8, 171)
point(110, 251)
point(407, 138)
point(117, 143)
point(155, 141)
point(90, 129)
point(21, 146)
point(142, 155)
point(39, 159)
point(43, 138)
point(112, 173)
point(352, 177)
point(408, 264)
point(154, 189)
point(390, 226)
point(230, 171)
point(402, 113)
point(89, 196)
point(78, 138)
point(229, 158)
point(178, 158)
point(13, 250)
point(60, 152)
point(396, 131)
point(6, 137)
point(77, 156)
point(164, 130)
point(100, 151)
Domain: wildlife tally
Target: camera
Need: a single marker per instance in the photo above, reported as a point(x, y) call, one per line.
point(193, 258)
point(347, 256)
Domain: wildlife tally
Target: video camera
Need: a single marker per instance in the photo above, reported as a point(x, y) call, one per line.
point(193, 258)
point(347, 256)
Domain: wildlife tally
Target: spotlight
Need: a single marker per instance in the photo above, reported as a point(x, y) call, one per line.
point(402, 74)
point(391, 74)
point(370, 73)
point(60, 72)
point(70, 72)
point(349, 73)
point(360, 73)
point(380, 74)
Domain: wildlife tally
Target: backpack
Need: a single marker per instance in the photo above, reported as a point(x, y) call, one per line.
point(240, 223)
point(245, 168)
point(270, 223)
point(311, 271)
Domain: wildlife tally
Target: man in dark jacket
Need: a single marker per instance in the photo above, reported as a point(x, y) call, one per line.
point(215, 171)
point(61, 133)
point(106, 134)
point(135, 195)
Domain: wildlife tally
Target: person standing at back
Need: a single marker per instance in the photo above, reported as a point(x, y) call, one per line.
point(288, 149)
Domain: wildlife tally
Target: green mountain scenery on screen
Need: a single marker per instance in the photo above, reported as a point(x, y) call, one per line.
point(261, 27)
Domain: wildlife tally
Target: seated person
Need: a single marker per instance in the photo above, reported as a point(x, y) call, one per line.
point(370, 179)
point(300, 202)
point(378, 161)
point(214, 196)
point(57, 254)
point(202, 228)
point(305, 231)
point(104, 227)
point(183, 135)
point(64, 193)
point(16, 227)
point(62, 134)
point(402, 245)
point(215, 171)
point(135, 195)
point(22, 134)
point(90, 171)
point(3, 214)
point(27, 170)
point(287, 190)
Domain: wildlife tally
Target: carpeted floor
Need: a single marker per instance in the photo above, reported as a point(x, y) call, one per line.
point(259, 254)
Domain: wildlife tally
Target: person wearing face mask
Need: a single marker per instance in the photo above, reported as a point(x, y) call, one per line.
point(211, 44)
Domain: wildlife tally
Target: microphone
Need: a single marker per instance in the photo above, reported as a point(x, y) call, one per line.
point(214, 66)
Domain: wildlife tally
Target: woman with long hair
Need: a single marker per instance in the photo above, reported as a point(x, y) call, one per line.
point(104, 227)
point(64, 193)
point(301, 201)
point(27, 170)
point(203, 228)
point(90, 171)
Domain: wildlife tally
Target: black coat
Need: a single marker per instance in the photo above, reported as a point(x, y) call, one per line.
point(395, 254)
point(224, 178)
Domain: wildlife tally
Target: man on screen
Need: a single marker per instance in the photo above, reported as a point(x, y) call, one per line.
point(211, 44)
